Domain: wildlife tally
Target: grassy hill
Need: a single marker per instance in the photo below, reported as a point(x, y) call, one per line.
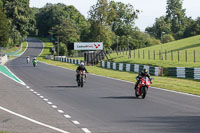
point(175, 54)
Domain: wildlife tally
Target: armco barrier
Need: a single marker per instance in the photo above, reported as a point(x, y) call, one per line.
point(65, 59)
point(182, 72)
point(157, 71)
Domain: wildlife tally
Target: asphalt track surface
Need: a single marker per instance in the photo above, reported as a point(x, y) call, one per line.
point(105, 105)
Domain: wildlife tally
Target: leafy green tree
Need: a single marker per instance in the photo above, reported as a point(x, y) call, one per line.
point(32, 21)
point(1, 4)
point(158, 27)
point(175, 15)
point(17, 12)
point(66, 31)
point(124, 18)
point(167, 38)
point(100, 17)
point(99, 12)
point(4, 30)
point(63, 49)
point(53, 14)
point(197, 26)
point(193, 28)
point(110, 19)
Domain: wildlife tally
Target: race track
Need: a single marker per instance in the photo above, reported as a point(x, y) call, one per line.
point(106, 105)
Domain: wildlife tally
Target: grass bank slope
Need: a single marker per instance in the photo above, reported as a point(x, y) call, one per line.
point(180, 53)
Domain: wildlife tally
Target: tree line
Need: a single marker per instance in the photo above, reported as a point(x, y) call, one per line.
point(112, 23)
point(16, 21)
point(175, 24)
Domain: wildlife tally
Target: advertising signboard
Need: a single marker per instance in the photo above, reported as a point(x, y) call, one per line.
point(88, 46)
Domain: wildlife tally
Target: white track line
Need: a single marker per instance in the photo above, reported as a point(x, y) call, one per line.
point(50, 103)
point(20, 81)
point(45, 99)
point(54, 106)
point(60, 111)
point(34, 121)
point(86, 130)
point(67, 116)
point(76, 122)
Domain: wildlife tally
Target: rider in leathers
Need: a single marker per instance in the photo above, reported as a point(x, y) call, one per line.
point(144, 73)
point(80, 68)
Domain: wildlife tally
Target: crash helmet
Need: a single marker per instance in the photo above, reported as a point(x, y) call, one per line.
point(82, 64)
point(145, 71)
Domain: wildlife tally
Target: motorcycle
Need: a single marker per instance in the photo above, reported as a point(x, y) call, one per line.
point(81, 78)
point(27, 60)
point(143, 86)
point(34, 63)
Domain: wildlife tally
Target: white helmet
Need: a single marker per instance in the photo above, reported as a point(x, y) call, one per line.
point(82, 63)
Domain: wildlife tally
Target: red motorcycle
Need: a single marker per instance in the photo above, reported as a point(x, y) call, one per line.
point(142, 88)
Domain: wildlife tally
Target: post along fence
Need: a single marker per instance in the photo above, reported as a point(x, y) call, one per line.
point(191, 55)
point(179, 72)
point(67, 60)
point(157, 71)
point(63, 59)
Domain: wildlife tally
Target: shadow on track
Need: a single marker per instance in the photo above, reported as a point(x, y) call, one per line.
point(169, 124)
point(73, 86)
point(120, 97)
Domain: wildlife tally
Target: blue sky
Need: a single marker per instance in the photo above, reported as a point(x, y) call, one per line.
point(151, 9)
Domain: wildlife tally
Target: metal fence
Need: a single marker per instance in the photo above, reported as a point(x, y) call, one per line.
point(190, 55)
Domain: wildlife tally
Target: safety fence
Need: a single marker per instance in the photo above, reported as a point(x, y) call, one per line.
point(189, 55)
point(157, 71)
point(182, 72)
point(179, 72)
point(65, 59)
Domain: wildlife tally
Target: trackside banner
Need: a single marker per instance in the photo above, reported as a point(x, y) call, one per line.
point(88, 46)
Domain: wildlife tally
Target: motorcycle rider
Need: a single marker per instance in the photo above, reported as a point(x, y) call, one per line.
point(34, 61)
point(27, 59)
point(144, 73)
point(80, 68)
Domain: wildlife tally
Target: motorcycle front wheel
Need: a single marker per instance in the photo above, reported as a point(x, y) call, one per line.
point(144, 92)
point(82, 82)
point(136, 92)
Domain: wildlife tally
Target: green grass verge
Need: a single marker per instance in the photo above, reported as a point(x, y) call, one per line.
point(181, 85)
point(13, 49)
point(146, 55)
point(24, 45)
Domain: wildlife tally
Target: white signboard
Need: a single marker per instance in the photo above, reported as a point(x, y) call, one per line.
point(88, 46)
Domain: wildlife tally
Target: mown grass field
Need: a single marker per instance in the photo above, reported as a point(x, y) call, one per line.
point(175, 54)
point(182, 85)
